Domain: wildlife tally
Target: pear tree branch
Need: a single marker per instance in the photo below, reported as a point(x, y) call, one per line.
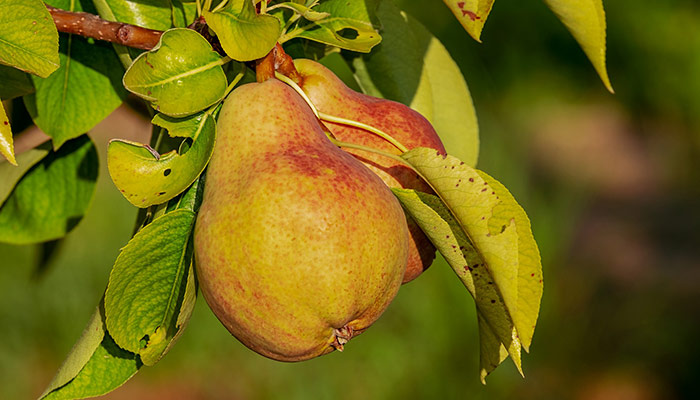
point(92, 26)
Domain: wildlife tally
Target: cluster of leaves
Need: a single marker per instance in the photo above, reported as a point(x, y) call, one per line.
point(69, 83)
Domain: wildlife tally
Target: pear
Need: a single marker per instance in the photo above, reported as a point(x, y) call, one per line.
point(331, 96)
point(298, 246)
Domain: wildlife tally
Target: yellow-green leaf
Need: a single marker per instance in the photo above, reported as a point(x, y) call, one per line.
point(472, 201)
point(28, 37)
point(349, 26)
point(244, 34)
point(145, 178)
point(94, 366)
point(148, 284)
point(52, 197)
point(7, 149)
point(11, 174)
point(585, 19)
point(413, 67)
point(446, 232)
point(491, 351)
point(80, 94)
point(471, 14)
point(529, 263)
point(181, 76)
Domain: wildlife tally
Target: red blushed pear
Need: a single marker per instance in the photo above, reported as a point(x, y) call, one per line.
point(298, 245)
point(331, 96)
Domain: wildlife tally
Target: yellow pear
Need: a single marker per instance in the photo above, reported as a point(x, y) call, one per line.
point(298, 246)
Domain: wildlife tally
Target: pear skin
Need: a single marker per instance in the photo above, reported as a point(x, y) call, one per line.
point(298, 246)
point(331, 96)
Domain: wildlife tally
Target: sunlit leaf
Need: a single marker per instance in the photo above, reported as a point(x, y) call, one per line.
point(146, 178)
point(148, 284)
point(529, 262)
point(152, 14)
point(486, 238)
point(181, 76)
point(471, 14)
point(94, 366)
point(471, 266)
point(7, 149)
point(243, 33)
point(12, 174)
point(304, 11)
point(83, 91)
point(585, 19)
point(491, 351)
point(28, 37)
point(349, 26)
point(184, 12)
point(52, 197)
point(411, 66)
point(496, 226)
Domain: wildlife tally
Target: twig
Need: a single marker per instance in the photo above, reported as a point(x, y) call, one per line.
point(90, 25)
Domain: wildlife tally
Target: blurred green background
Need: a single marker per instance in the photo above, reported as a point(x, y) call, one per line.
point(611, 183)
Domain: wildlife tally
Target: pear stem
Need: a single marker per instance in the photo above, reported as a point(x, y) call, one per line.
point(296, 87)
point(369, 149)
point(338, 120)
point(369, 128)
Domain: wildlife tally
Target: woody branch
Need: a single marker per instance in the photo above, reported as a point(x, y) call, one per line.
point(92, 26)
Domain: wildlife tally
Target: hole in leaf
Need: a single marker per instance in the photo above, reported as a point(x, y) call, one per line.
point(348, 33)
point(144, 341)
point(167, 172)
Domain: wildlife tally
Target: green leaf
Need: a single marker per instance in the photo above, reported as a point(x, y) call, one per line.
point(349, 26)
point(7, 149)
point(302, 10)
point(529, 262)
point(473, 222)
point(190, 199)
point(471, 14)
point(148, 283)
point(181, 76)
point(190, 127)
point(472, 201)
point(184, 12)
point(491, 351)
point(80, 354)
point(85, 89)
point(15, 83)
point(411, 66)
point(146, 178)
point(95, 365)
point(445, 231)
point(244, 34)
point(28, 37)
point(336, 63)
point(585, 19)
point(52, 196)
point(12, 174)
point(152, 14)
